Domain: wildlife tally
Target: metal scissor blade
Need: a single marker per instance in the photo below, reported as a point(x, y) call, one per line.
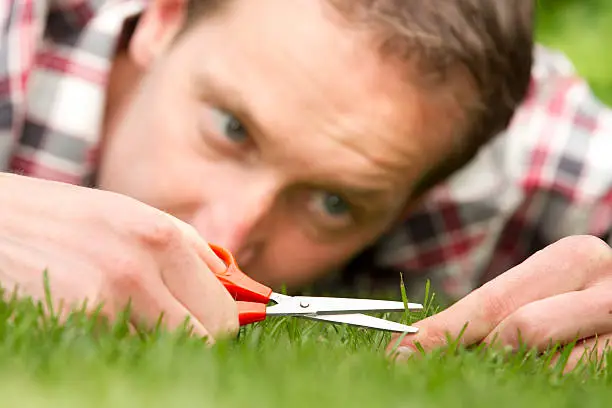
point(361, 320)
point(305, 305)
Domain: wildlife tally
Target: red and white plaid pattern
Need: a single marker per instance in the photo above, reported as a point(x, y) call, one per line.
point(549, 175)
point(55, 59)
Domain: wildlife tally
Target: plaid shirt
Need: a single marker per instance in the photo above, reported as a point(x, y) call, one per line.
point(55, 60)
point(549, 175)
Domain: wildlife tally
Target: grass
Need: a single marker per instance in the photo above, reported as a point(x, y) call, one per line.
point(285, 361)
point(581, 29)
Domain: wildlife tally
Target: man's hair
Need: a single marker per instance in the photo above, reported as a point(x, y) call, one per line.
point(491, 40)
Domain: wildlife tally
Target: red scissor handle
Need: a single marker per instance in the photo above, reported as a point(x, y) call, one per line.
point(250, 312)
point(252, 297)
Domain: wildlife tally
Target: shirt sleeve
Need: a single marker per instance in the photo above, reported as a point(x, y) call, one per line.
point(549, 175)
point(22, 29)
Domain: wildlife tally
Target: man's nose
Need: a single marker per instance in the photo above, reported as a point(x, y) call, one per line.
point(239, 220)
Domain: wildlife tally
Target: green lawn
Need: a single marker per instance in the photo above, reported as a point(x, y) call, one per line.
point(281, 362)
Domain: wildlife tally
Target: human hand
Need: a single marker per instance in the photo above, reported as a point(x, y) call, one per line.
point(110, 249)
point(560, 294)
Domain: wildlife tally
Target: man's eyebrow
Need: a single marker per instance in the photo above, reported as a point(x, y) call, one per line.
point(369, 197)
point(229, 98)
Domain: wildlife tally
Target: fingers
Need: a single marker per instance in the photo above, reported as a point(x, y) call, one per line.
point(139, 283)
point(568, 265)
point(190, 280)
point(182, 261)
point(588, 351)
point(148, 306)
point(558, 319)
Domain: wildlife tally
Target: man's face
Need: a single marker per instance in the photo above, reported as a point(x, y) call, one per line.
point(275, 129)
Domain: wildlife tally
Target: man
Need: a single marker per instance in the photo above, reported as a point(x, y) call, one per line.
point(295, 134)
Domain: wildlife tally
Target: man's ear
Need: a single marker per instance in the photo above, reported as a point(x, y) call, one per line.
point(157, 27)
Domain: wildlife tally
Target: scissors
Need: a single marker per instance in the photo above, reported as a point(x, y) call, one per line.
point(252, 299)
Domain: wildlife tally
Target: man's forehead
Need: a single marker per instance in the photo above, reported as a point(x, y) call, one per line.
point(320, 92)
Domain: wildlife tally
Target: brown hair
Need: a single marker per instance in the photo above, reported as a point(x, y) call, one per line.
point(492, 40)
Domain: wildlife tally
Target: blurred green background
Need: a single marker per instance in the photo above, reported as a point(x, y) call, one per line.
point(582, 29)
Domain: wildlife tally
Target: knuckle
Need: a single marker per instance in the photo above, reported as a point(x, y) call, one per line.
point(496, 305)
point(141, 223)
point(125, 278)
point(157, 232)
point(584, 259)
point(435, 336)
point(592, 254)
point(145, 224)
point(588, 246)
point(522, 328)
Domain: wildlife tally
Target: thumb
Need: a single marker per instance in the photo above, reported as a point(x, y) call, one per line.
point(434, 332)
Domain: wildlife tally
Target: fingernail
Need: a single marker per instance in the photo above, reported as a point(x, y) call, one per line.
point(403, 353)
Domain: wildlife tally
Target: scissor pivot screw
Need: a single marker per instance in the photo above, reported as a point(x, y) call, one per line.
point(304, 304)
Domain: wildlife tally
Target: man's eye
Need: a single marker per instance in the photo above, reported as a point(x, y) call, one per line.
point(334, 204)
point(230, 126)
point(331, 207)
